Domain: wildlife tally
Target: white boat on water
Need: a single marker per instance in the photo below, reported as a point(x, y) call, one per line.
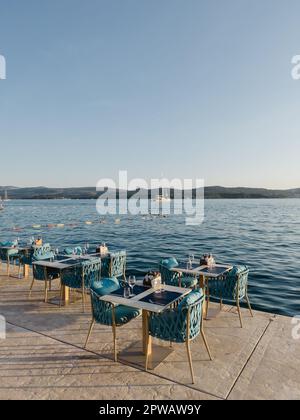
point(6, 196)
point(161, 198)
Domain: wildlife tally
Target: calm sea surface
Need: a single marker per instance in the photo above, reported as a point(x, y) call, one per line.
point(264, 234)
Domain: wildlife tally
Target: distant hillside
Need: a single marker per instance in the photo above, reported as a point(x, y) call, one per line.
point(91, 193)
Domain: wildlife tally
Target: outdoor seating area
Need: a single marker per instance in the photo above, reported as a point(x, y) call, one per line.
point(186, 329)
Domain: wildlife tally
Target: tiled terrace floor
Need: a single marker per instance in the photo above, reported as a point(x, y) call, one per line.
point(42, 356)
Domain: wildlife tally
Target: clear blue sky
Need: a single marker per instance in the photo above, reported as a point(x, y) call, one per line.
point(195, 88)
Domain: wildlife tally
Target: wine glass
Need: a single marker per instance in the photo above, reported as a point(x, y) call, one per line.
point(189, 262)
point(131, 282)
point(192, 259)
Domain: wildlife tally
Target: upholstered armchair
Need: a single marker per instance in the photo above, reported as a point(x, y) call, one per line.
point(181, 324)
point(8, 253)
point(81, 276)
point(173, 278)
point(231, 287)
point(45, 274)
point(106, 313)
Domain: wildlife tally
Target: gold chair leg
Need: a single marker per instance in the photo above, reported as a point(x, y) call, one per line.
point(249, 306)
point(46, 291)
point(83, 298)
point(115, 343)
point(147, 352)
point(239, 312)
point(188, 349)
point(61, 295)
point(89, 333)
point(8, 267)
point(207, 303)
point(114, 329)
point(206, 344)
point(31, 286)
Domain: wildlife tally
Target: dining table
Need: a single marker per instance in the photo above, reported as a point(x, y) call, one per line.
point(20, 251)
point(204, 273)
point(62, 262)
point(58, 264)
point(148, 300)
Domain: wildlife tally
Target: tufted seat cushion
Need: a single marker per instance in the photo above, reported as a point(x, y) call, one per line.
point(70, 251)
point(105, 286)
point(169, 262)
point(188, 281)
point(125, 314)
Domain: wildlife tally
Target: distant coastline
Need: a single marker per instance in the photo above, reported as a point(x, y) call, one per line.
point(210, 192)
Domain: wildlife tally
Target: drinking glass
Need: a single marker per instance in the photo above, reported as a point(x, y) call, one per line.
point(189, 262)
point(156, 284)
point(126, 292)
point(131, 282)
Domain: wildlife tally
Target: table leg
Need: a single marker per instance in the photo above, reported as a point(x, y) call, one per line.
point(145, 333)
point(66, 295)
point(202, 285)
point(26, 270)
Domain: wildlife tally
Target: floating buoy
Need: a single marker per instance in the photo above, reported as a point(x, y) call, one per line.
point(50, 225)
point(36, 226)
point(60, 225)
point(117, 221)
point(88, 222)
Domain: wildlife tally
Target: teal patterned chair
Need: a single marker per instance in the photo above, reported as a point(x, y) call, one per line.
point(173, 278)
point(9, 253)
point(114, 265)
point(45, 274)
point(106, 313)
point(231, 287)
point(181, 324)
point(81, 276)
point(77, 250)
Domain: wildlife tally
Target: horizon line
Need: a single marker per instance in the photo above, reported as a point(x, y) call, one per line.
point(11, 187)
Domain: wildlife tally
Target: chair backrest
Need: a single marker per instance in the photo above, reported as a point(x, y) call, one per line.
point(5, 253)
point(42, 252)
point(231, 286)
point(85, 271)
point(41, 273)
point(178, 323)
point(114, 265)
point(27, 256)
point(167, 275)
point(102, 311)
